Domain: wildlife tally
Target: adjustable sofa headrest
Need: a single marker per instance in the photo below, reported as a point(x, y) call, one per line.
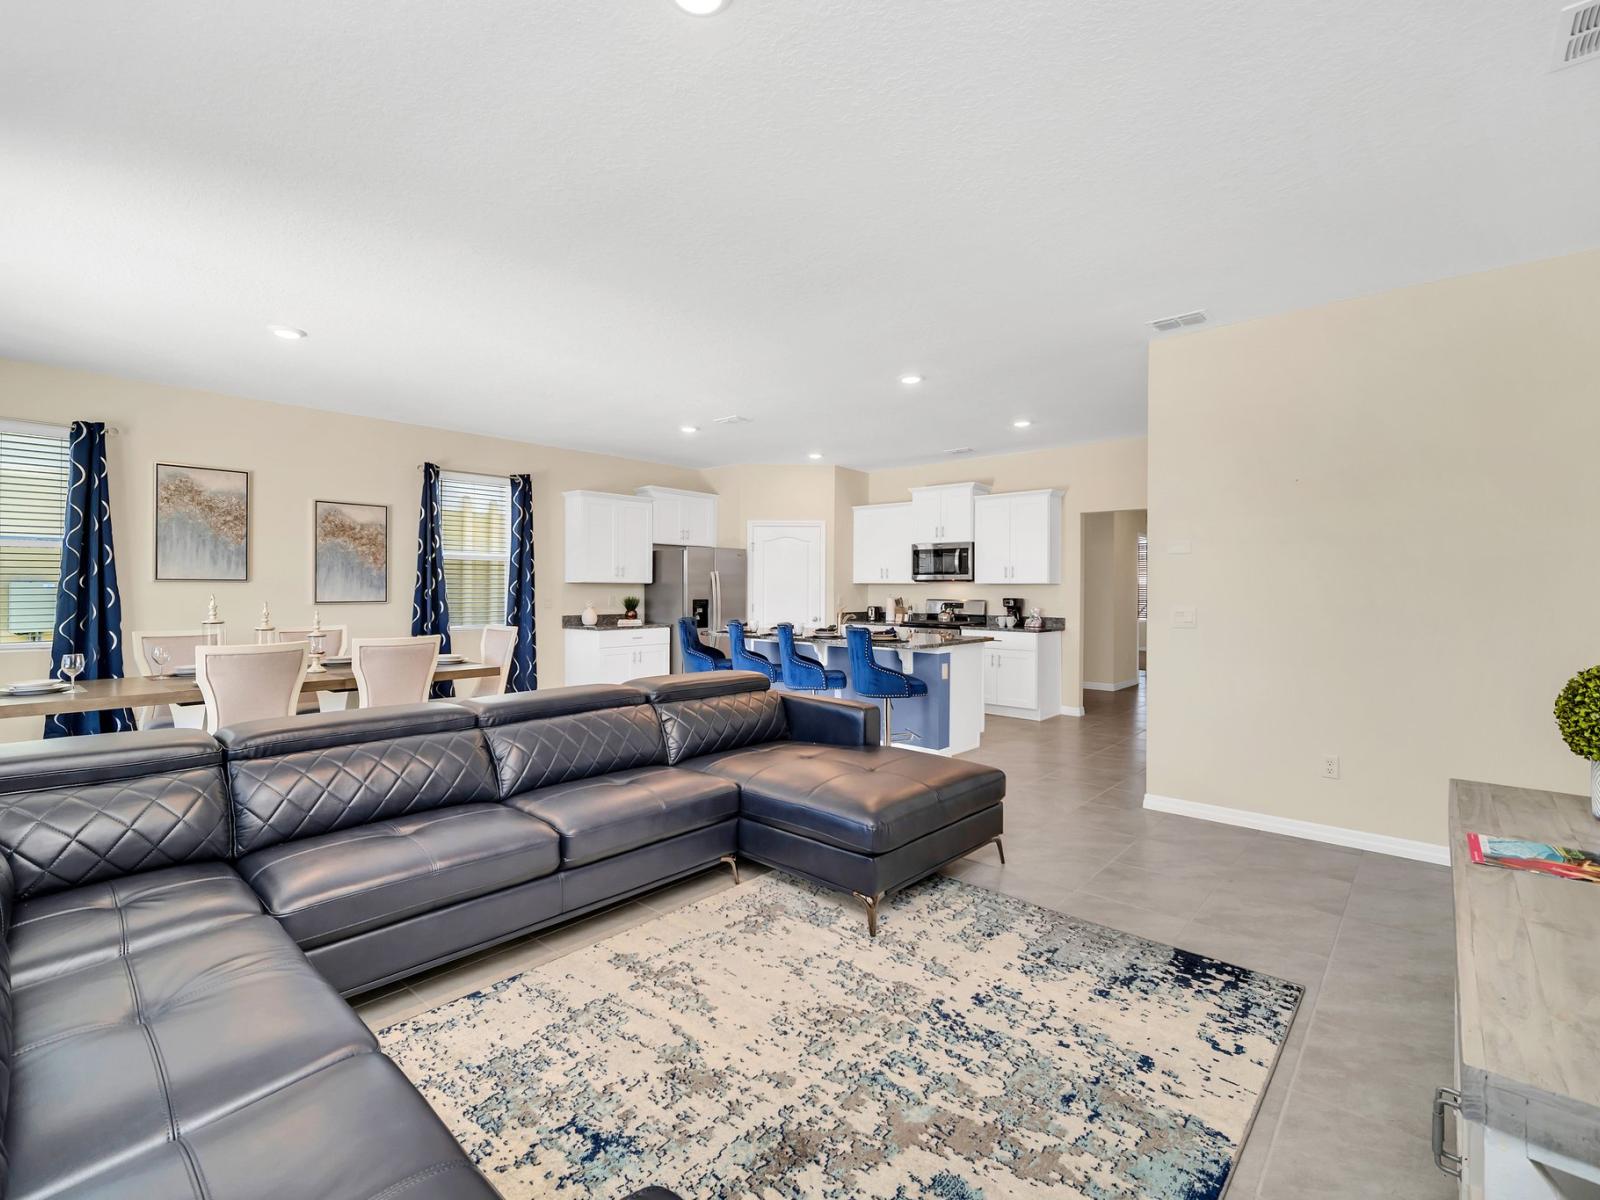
point(663, 689)
point(557, 702)
point(70, 762)
point(318, 731)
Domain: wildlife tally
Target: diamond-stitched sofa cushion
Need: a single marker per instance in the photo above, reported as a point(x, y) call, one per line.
point(544, 752)
point(80, 810)
point(298, 777)
point(717, 723)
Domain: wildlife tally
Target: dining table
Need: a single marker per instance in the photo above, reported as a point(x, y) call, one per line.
point(146, 691)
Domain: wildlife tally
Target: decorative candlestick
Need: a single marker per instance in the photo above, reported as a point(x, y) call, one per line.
point(212, 626)
point(317, 639)
point(266, 634)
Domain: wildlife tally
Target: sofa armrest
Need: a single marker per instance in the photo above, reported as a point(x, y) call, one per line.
point(831, 722)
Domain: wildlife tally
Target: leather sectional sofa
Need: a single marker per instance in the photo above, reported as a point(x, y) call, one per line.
point(182, 913)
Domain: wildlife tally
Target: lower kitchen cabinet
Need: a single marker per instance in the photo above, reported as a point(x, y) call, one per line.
point(1022, 674)
point(614, 655)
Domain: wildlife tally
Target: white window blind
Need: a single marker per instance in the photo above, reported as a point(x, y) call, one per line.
point(475, 530)
point(1144, 576)
point(33, 502)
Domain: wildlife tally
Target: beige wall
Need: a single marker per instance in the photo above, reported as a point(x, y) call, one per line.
point(1111, 596)
point(295, 456)
point(1392, 506)
point(1096, 477)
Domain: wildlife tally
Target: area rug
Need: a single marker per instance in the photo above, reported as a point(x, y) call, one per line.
point(759, 1044)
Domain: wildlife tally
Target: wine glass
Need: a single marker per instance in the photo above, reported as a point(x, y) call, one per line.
point(72, 667)
point(159, 656)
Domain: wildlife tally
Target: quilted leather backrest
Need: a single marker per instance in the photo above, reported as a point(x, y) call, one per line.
point(696, 727)
point(79, 810)
point(539, 753)
point(332, 774)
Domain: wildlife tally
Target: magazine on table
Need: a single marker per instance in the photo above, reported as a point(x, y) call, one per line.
point(1564, 862)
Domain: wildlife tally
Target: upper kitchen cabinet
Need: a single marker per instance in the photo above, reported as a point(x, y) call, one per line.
point(1017, 537)
point(608, 538)
point(682, 518)
point(883, 543)
point(944, 513)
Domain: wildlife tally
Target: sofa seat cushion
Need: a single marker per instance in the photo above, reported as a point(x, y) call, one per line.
point(611, 814)
point(868, 799)
point(118, 1057)
point(102, 922)
point(340, 884)
point(355, 1130)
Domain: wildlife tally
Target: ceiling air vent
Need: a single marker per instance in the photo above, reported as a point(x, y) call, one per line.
point(732, 419)
point(1577, 35)
point(960, 450)
point(1197, 317)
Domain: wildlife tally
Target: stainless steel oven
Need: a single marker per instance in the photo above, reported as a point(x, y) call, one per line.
point(932, 561)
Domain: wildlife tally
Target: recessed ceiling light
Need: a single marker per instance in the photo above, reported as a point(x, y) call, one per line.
point(1021, 423)
point(688, 429)
point(814, 454)
point(911, 380)
point(702, 8)
point(287, 332)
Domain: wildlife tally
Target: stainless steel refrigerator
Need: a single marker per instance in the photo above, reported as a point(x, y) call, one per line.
point(701, 582)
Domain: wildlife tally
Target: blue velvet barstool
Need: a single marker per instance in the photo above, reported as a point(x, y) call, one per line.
point(697, 656)
point(804, 674)
point(871, 678)
point(746, 659)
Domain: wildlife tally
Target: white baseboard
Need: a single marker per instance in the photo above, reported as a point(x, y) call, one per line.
point(1068, 711)
point(1336, 835)
point(1112, 687)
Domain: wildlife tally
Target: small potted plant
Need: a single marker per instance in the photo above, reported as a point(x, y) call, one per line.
point(1578, 717)
point(631, 605)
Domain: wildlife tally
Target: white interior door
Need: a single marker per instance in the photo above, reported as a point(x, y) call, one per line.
point(787, 573)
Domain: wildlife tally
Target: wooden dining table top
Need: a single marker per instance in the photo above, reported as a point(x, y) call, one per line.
point(143, 691)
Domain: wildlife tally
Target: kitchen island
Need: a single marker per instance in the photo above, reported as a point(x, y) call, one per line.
point(949, 719)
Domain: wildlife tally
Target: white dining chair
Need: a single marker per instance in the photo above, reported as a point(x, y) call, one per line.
point(249, 683)
point(393, 670)
point(180, 645)
point(334, 642)
point(495, 649)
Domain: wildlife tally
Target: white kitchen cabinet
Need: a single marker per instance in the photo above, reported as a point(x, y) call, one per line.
point(944, 513)
point(882, 543)
point(1017, 537)
point(1022, 674)
point(609, 538)
point(682, 518)
point(616, 655)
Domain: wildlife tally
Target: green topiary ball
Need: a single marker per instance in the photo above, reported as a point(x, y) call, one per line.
point(1578, 714)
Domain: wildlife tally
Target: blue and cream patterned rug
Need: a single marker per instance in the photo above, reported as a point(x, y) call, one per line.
point(757, 1044)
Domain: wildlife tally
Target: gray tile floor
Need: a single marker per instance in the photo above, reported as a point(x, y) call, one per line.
point(1370, 938)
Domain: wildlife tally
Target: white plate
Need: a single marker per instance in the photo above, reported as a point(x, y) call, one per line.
point(338, 660)
point(37, 687)
point(452, 659)
point(182, 672)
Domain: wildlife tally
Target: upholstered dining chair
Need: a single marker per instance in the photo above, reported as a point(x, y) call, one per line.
point(746, 659)
point(871, 678)
point(697, 656)
point(802, 673)
point(394, 670)
point(249, 683)
point(180, 645)
point(334, 640)
point(496, 648)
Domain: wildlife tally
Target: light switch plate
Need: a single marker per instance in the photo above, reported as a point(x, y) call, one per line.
point(1184, 618)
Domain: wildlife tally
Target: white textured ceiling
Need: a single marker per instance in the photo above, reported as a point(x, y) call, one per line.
point(587, 222)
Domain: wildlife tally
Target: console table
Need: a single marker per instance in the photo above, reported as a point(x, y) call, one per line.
point(1527, 1005)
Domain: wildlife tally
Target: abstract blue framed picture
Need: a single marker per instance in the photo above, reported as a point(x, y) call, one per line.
point(202, 523)
point(352, 553)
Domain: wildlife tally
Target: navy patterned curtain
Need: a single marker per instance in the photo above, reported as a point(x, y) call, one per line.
point(88, 608)
point(524, 676)
point(430, 609)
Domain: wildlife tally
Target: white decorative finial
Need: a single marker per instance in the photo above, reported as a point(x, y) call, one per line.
point(266, 614)
point(211, 608)
point(316, 620)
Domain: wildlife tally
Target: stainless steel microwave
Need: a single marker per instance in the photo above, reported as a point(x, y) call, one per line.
point(931, 561)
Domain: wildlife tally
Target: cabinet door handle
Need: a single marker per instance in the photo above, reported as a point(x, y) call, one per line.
point(1445, 1098)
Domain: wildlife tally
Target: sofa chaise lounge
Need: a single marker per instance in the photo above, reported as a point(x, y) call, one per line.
point(181, 913)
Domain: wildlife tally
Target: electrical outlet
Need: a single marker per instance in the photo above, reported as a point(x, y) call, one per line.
point(1183, 618)
point(1330, 766)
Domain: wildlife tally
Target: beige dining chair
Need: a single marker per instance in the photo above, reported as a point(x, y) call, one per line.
point(249, 683)
point(180, 645)
point(393, 670)
point(335, 639)
point(495, 649)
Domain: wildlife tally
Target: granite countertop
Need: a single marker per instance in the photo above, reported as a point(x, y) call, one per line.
point(1051, 625)
point(915, 641)
point(609, 621)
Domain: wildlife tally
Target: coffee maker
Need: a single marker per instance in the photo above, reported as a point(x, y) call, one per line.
point(1013, 609)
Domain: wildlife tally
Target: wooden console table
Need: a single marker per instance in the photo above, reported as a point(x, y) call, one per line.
point(1527, 1002)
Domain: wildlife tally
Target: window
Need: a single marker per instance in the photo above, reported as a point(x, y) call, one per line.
point(475, 529)
point(1144, 576)
point(33, 503)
